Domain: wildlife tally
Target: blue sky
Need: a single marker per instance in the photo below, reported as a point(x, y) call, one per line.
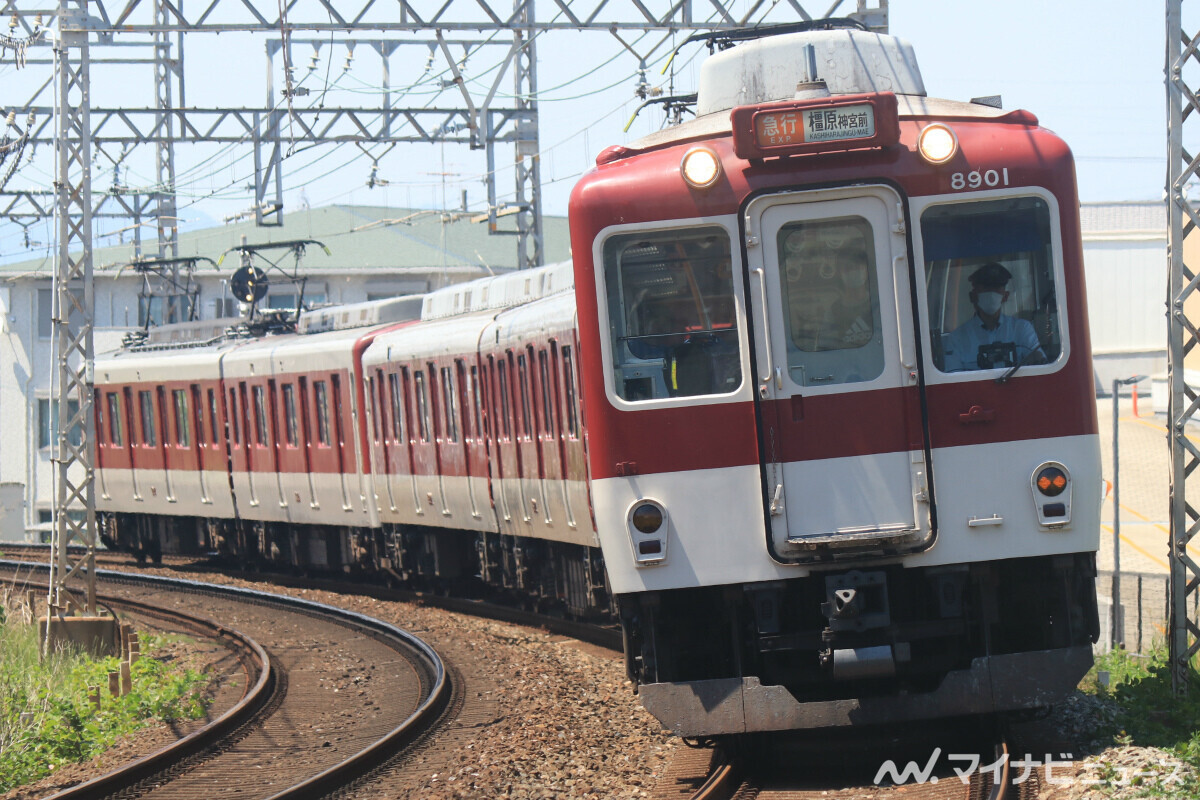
point(1091, 71)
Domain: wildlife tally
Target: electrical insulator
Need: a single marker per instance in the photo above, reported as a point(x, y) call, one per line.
point(37, 22)
point(12, 118)
point(12, 23)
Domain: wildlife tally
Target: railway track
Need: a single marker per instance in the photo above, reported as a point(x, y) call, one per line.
point(311, 725)
point(606, 636)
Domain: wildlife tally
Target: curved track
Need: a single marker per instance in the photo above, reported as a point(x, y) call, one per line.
point(330, 720)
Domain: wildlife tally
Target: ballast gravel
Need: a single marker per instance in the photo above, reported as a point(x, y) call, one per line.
point(543, 716)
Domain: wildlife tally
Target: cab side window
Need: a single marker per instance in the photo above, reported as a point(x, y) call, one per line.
point(672, 313)
point(989, 274)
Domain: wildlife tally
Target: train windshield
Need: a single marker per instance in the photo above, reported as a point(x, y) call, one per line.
point(831, 300)
point(672, 315)
point(989, 271)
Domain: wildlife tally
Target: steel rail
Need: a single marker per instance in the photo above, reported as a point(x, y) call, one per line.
point(356, 765)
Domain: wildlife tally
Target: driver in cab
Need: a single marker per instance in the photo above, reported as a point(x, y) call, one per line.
point(990, 338)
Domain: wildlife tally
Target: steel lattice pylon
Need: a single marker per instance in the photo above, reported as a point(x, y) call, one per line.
point(1183, 51)
point(74, 501)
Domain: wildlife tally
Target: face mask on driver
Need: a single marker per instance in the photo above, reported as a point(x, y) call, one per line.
point(855, 278)
point(989, 302)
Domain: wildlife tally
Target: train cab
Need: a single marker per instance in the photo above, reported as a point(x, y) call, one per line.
point(843, 438)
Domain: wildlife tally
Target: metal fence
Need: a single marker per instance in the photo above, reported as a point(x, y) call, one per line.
point(1144, 603)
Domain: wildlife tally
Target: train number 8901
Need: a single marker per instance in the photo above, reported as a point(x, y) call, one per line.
point(976, 179)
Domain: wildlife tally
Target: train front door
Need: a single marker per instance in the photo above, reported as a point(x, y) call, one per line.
point(843, 444)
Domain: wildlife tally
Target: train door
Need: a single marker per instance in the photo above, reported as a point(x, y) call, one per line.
point(840, 410)
point(306, 441)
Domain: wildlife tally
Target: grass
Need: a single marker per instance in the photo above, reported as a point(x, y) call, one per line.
point(46, 718)
point(1150, 714)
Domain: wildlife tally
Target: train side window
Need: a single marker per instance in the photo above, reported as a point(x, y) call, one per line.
point(476, 402)
point(505, 403)
point(233, 416)
point(449, 404)
point(114, 419)
point(990, 284)
point(198, 408)
point(321, 396)
point(569, 383)
point(397, 411)
point(831, 301)
point(465, 384)
point(212, 414)
point(526, 421)
point(289, 414)
point(547, 400)
point(146, 406)
point(672, 313)
point(336, 385)
point(182, 429)
point(98, 409)
point(260, 416)
point(422, 405)
point(129, 415)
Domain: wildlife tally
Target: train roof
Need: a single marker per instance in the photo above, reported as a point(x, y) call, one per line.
point(775, 68)
point(499, 292)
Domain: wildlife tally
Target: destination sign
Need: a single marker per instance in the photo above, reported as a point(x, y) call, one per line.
point(798, 126)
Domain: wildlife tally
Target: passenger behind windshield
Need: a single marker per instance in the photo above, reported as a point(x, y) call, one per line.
point(990, 338)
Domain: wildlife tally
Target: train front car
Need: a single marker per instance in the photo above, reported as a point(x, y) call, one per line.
point(842, 430)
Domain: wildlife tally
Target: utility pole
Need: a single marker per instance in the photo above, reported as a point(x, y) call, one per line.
point(75, 448)
point(1183, 336)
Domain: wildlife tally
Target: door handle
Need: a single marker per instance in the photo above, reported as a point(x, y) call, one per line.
point(765, 376)
point(977, 413)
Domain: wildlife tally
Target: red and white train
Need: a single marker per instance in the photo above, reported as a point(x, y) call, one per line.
point(812, 410)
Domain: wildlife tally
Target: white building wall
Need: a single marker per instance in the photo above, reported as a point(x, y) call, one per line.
point(1127, 292)
point(1125, 265)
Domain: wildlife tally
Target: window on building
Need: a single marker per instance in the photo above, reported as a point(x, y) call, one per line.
point(45, 319)
point(48, 423)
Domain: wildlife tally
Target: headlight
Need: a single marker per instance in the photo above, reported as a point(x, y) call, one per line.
point(937, 144)
point(700, 167)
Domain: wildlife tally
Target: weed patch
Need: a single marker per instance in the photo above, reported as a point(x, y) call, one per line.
point(47, 719)
point(1150, 714)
